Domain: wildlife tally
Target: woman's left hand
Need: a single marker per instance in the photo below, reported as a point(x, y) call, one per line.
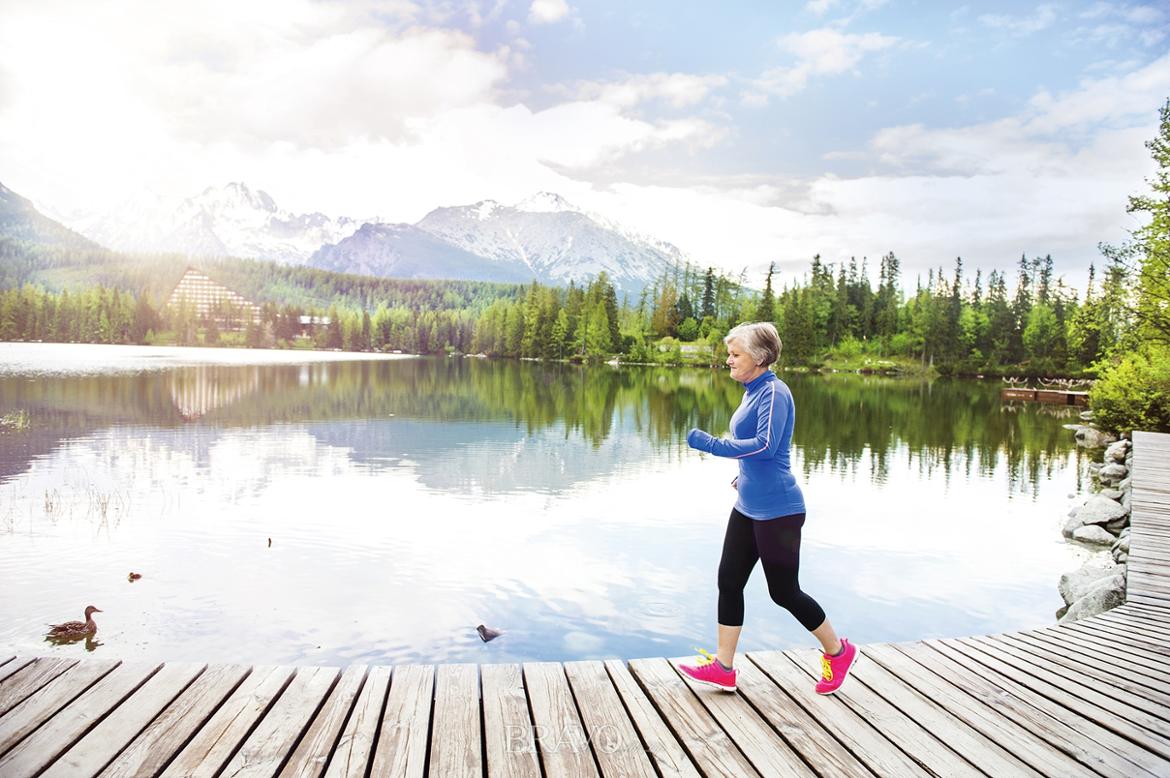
point(700, 440)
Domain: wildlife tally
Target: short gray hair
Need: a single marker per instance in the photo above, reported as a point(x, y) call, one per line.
point(759, 339)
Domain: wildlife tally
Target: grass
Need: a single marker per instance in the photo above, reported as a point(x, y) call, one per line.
point(16, 421)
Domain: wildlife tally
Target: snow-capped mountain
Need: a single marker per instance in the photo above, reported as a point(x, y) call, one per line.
point(232, 220)
point(405, 251)
point(20, 220)
point(554, 239)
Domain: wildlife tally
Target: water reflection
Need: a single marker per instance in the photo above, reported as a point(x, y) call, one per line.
point(379, 511)
point(943, 427)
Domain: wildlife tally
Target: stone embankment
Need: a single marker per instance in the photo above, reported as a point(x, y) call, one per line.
point(1102, 521)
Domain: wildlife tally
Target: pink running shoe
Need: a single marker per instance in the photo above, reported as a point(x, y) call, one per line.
point(834, 669)
point(708, 671)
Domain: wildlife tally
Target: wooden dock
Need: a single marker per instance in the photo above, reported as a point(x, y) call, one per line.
point(1087, 699)
point(1050, 396)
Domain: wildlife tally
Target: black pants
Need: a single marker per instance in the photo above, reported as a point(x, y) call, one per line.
point(775, 542)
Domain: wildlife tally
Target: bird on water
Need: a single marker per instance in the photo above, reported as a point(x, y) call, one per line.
point(74, 630)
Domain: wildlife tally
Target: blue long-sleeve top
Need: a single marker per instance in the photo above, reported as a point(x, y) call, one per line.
point(761, 435)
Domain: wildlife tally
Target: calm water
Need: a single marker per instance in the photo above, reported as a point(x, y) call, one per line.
point(407, 501)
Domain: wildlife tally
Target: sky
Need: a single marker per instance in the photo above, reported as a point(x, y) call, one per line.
point(745, 133)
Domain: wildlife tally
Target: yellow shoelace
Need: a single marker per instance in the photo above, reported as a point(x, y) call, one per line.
point(826, 668)
point(704, 658)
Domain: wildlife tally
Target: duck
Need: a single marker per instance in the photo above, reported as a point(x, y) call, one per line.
point(75, 629)
point(487, 633)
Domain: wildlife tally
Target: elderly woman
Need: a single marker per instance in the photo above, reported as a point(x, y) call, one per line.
point(768, 515)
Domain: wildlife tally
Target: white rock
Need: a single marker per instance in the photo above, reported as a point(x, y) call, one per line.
point(1103, 595)
point(1071, 526)
point(1112, 494)
point(1116, 451)
point(1076, 584)
point(1100, 510)
point(1113, 472)
point(1094, 534)
point(1090, 437)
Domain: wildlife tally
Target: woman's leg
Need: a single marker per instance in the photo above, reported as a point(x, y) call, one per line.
point(735, 567)
point(778, 542)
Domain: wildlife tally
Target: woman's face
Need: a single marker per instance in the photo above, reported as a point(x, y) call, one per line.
point(743, 367)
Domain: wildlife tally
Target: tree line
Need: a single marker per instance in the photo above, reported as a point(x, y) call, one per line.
point(954, 323)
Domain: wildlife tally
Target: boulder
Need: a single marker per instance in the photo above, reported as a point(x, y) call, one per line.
point(1115, 527)
point(1112, 494)
point(1103, 595)
point(1116, 451)
point(1100, 510)
point(1124, 484)
point(1113, 472)
point(1094, 534)
point(1122, 544)
point(1073, 586)
point(1091, 437)
point(1072, 525)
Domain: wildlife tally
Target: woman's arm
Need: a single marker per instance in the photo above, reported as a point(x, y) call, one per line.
point(763, 445)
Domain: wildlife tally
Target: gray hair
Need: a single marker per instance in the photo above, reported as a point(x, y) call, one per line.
point(759, 339)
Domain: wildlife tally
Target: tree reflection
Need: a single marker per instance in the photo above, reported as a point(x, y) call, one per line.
point(844, 421)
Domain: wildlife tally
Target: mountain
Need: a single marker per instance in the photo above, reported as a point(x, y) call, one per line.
point(405, 251)
point(227, 221)
point(20, 220)
point(544, 237)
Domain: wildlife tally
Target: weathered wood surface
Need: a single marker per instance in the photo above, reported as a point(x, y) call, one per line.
point(1091, 698)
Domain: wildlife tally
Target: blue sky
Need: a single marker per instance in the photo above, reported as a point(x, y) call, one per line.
point(743, 132)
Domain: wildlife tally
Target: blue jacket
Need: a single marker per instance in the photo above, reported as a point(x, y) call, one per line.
point(761, 435)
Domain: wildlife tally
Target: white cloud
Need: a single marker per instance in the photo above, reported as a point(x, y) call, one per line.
point(548, 11)
point(1040, 19)
point(819, 7)
point(678, 90)
point(818, 52)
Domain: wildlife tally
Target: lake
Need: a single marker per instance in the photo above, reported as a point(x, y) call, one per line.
point(330, 509)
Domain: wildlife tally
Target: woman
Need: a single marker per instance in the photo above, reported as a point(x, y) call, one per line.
point(766, 520)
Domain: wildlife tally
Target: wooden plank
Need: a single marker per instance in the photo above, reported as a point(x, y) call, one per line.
point(265, 750)
point(1129, 683)
point(1115, 632)
point(1068, 644)
point(214, 744)
point(1104, 641)
point(858, 735)
point(102, 743)
point(456, 739)
point(313, 750)
point(615, 742)
point(802, 731)
point(928, 675)
point(560, 735)
point(37, 751)
point(952, 730)
point(917, 741)
point(708, 745)
point(52, 697)
point(27, 677)
point(1126, 626)
point(402, 741)
point(1073, 733)
point(1144, 612)
point(509, 737)
point(1044, 669)
point(668, 755)
point(1060, 692)
point(763, 747)
point(351, 757)
point(168, 733)
point(14, 665)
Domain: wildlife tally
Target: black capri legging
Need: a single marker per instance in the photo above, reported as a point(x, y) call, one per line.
point(776, 542)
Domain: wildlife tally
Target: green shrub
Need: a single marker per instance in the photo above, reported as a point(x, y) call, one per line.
point(1134, 392)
